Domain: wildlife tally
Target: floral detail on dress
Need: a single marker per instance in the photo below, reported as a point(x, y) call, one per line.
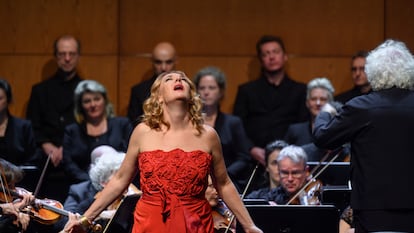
point(174, 172)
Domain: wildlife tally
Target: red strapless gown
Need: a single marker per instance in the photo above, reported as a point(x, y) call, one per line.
point(173, 185)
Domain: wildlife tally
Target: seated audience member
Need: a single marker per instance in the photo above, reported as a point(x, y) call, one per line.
point(272, 151)
point(293, 173)
point(211, 85)
point(359, 78)
point(17, 144)
point(221, 214)
point(11, 219)
point(81, 195)
point(96, 125)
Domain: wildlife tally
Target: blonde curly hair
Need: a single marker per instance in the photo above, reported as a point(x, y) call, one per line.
point(153, 112)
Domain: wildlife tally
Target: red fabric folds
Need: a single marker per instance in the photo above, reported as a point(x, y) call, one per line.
point(173, 185)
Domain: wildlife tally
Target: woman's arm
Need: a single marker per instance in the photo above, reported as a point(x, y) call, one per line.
point(115, 187)
point(225, 186)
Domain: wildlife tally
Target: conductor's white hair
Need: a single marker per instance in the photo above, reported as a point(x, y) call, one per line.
point(390, 65)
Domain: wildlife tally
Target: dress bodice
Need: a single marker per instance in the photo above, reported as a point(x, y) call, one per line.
point(174, 172)
point(173, 185)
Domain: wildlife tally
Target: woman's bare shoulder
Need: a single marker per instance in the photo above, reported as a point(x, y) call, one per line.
point(142, 128)
point(139, 131)
point(210, 133)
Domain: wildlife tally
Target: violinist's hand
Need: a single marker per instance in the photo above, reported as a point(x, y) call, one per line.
point(9, 209)
point(258, 154)
point(253, 229)
point(24, 220)
point(27, 199)
point(73, 225)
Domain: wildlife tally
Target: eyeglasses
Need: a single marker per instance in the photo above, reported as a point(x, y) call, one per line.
point(295, 174)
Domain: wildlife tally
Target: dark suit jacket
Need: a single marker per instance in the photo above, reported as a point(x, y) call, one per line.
point(380, 128)
point(139, 93)
point(348, 95)
point(235, 145)
point(18, 144)
point(267, 110)
point(77, 146)
point(51, 106)
point(300, 134)
point(80, 197)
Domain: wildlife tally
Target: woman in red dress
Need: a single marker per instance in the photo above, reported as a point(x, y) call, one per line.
point(175, 153)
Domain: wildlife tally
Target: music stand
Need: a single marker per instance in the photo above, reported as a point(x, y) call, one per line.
point(294, 218)
point(30, 178)
point(249, 201)
point(123, 218)
point(337, 173)
point(340, 196)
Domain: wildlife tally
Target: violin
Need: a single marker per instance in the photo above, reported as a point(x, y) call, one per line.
point(221, 217)
point(44, 211)
point(309, 195)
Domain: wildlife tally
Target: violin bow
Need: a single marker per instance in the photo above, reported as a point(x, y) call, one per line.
point(4, 184)
point(243, 194)
point(39, 183)
point(317, 174)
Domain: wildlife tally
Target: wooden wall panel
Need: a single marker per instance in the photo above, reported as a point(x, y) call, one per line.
point(229, 28)
point(336, 69)
point(399, 22)
point(21, 72)
point(32, 26)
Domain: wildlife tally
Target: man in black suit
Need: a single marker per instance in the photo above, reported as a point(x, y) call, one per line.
point(164, 59)
point(268, 105)
point(380, 128)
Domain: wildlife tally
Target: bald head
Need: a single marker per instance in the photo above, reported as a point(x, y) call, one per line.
point(163, 57)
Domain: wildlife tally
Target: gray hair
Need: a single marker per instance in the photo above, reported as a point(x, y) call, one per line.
point(218, 75)
point(390, 65)
point(294, 153)
point(323, 83)
point(104, 167)
point(90, 86)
